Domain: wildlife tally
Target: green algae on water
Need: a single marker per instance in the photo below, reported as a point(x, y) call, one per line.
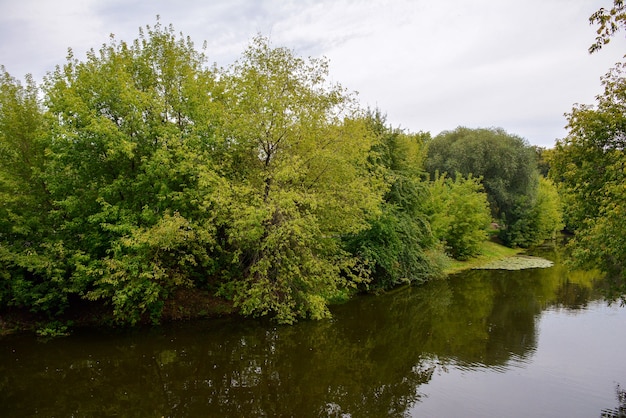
point(518, 262)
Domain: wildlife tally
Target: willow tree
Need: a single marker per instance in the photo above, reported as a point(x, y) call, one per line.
point(398, 244)
point(298, 161)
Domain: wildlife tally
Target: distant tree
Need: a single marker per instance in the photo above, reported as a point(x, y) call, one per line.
point(543, 159)
point(459, 214)
point(538, 221)
point(548, 211)
point(506, 164)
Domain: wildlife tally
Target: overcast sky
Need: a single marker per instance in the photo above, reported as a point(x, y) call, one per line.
point(429, 65)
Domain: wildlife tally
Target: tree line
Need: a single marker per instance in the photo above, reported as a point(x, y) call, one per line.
point(589, 166)
point(142, 170)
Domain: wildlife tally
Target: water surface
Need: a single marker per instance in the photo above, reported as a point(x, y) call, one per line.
point(538, 343)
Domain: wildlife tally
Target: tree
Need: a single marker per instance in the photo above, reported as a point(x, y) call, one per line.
point(588, 167)
point(398, 245)
point(459, 214)
point(27, 251)
point(507, 166)
point(609, 22)
point(543, 158)
point(548, 211)
point(131, 170)
point(298, 159)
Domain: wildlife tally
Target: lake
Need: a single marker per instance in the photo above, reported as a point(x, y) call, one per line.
point(484, 343)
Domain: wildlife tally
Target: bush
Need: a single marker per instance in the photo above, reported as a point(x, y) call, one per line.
point(459, 214)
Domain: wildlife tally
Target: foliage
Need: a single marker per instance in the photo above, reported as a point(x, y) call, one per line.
point(548, 211)
point(398, 246)
point(116, 179)
point(536, 221)
point(140, 172)
point(27, 250)
point(459, 214)
point(53, 329)
point(507, 166)
point(609, 22)
point(299, 160)
point(543, 159)
point(588, 166)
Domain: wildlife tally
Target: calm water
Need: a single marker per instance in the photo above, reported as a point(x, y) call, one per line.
point(536, 343)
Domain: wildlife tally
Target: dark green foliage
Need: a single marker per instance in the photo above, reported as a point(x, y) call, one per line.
point(32, 261)
point(393, 249)
point(507, 166)
point(543, 159)
point(397, 244)
point(505, 162)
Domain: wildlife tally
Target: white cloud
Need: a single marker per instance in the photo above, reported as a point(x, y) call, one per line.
point(36, 34)
point(429, 65)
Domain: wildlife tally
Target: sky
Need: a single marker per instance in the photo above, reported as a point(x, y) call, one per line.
point(428, 65)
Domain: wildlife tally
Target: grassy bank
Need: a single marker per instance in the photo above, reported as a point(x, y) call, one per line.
point(491, 251)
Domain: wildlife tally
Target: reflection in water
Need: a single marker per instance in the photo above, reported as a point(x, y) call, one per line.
point(374, 358)
point(620, 411)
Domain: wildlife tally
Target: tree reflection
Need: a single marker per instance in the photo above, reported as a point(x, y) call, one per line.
point(370, 360)
point(620, 411)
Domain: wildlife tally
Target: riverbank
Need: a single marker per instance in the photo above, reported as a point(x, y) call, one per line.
point(491, 252)
point(185, 304)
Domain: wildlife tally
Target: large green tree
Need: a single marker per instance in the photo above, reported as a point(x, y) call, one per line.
point(26, 236)
point(130, 171)
point(507, 166)
point(298, 157)
point(589, 168)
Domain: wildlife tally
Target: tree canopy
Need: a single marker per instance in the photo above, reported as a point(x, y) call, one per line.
point(588, 165)
point(398, 246)
point(299, 160)
point(145, 171)
point(142, 173)
point(507, 167)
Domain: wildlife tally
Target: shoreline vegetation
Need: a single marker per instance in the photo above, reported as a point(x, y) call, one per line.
point(142, 185)
point(193, 304)
point(491, 252)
